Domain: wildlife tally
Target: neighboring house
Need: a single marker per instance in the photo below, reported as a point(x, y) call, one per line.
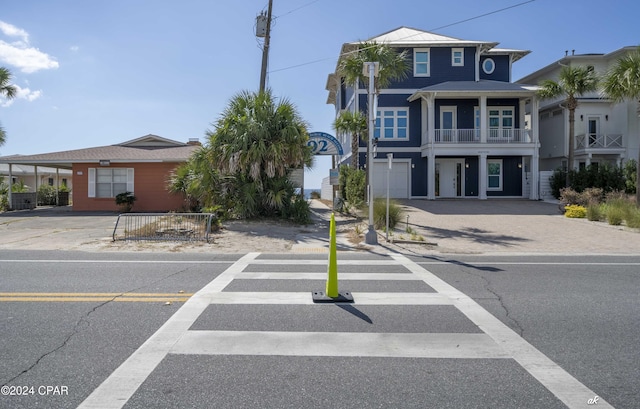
point(36, 175)
point(456, 126)
point(604, 132)
point(141, 166)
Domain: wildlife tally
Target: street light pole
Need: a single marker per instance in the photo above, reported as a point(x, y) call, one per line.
point(370, 69)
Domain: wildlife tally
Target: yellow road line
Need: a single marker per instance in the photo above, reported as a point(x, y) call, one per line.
point(96, 294)
point(94, 297)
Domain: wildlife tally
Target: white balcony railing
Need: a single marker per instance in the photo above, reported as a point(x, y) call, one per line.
point(474, 136)
point(599, 141)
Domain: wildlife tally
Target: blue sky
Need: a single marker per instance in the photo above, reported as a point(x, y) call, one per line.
point(94, 73)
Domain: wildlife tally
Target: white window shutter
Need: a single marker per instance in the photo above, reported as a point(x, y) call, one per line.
point(130, 180)
point(92, 182)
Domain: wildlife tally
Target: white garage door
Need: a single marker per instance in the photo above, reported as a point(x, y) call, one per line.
point(398, 180)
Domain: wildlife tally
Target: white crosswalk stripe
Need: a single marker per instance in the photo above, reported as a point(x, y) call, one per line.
point(496, 341)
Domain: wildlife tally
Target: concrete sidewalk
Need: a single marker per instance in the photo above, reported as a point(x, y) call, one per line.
point(455, 227)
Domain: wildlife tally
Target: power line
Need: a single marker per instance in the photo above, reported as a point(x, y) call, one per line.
point(296, 9)
point(404, 38)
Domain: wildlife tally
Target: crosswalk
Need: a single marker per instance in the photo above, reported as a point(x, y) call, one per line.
point(190, 331)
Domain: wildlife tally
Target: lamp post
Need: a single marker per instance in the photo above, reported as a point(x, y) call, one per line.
point(371, 70)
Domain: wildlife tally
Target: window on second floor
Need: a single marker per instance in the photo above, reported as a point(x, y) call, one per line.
point(457, 57)
point(421, 62)
point(392, 123)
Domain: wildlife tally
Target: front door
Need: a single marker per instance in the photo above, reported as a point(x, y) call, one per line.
point(449, 177)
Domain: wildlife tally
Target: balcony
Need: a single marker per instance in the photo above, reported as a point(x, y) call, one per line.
point(599, 141)
point(503, 135)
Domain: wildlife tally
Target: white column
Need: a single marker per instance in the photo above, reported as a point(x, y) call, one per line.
point(482, 175)
point(483, 119)
point(10, 186)
point(431, 136)
point(424, 111)
point(535, 158)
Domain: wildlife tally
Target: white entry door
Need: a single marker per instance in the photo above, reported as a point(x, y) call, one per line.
point(449, 173)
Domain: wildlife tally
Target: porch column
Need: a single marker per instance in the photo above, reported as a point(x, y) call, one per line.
point(35, 172)
point(431, 137)
point(483, 119)
point(424, 112)
point(10, 186)
point(521, 120)
point(482, 175)
point(535, 158)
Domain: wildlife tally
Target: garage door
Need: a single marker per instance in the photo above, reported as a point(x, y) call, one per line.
point(398, 180)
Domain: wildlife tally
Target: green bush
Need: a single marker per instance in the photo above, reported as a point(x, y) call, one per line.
point(315, 195)
point(632, 217)
point(356, 187)
point(299, 211)
point(630, 176)
point(594, 212)
point(615, 211)
point(125, 201)
point(380, 213)
point(4, 198)
point(47, 195)
point(575, 212)
point(604, 176)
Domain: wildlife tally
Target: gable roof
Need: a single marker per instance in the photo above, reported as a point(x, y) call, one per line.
point(149, 148)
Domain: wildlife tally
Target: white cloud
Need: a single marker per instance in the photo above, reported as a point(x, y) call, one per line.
point(13, 31)
point(20, 54)
point(74, 48)
point(21, 93)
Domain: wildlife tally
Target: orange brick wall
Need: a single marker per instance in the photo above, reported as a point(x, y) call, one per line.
point(149, 182)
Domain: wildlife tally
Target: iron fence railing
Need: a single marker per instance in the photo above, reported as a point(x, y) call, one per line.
point(163, 226)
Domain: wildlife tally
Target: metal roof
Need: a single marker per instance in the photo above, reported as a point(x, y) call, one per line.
point(475, 87)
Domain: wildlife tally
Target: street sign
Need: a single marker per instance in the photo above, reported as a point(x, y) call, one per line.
point(324, 144)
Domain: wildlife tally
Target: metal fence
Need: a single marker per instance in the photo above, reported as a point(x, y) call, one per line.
point(163, 226)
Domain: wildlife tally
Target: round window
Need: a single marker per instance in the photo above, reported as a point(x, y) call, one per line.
point(488, 66)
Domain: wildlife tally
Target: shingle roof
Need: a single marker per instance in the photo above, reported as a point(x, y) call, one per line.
point(146, 149)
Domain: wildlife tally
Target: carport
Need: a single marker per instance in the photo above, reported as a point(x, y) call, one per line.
point(21, 201)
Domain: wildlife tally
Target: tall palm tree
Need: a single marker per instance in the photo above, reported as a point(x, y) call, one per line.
point(623, 82)
point(355, 124)
point(572, 83)
point(8, 91)
point(393, 66)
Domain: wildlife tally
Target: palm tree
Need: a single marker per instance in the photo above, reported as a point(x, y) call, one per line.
point(8, 91)
point(623, 82)
point(393, 66)
point(354, 123)
point(572, 83)
point(258, 140)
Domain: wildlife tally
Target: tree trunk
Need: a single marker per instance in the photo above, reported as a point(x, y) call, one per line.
point(355, 144)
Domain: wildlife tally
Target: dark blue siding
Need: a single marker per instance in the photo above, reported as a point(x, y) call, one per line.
point(501, 72)
point(471, 176)
point(511, 177)
point(465, 114)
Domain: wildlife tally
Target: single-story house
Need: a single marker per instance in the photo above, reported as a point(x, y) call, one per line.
point(141, 166)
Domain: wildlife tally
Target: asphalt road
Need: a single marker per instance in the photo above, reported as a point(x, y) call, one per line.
point(463, 332)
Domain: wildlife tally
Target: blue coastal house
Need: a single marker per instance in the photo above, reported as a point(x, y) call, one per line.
point(456, 126)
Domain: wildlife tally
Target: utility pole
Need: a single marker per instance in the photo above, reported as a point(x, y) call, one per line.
point(265, 48)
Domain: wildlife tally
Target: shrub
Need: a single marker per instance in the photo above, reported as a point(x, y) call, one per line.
point(630, 176)
point(575, 212)
point(632, 217)
point(558, 181)
point(299, 212)
point(615, 215)
point(569, 196)
point(125, 201)
point(594, 212)
point(47, 195)
point(315, 194)
point(380, 213)
point(356, 187)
